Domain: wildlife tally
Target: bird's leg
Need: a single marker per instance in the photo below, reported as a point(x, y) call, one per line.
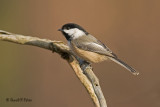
point(84, 65)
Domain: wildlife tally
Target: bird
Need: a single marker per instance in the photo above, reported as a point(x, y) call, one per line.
point(87, 47)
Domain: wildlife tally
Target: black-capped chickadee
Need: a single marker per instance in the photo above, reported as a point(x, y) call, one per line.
point(88, 48)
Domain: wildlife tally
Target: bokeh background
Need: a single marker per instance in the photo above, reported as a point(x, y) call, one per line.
point(131, 28)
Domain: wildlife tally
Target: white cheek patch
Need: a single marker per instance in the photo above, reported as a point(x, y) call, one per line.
point(69, 32)
point(75, 33)
point(78, 33)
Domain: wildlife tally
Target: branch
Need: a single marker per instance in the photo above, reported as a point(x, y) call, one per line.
point(87, 77)
point(95, 82)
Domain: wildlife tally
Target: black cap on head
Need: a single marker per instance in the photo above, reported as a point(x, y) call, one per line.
point(71, 26)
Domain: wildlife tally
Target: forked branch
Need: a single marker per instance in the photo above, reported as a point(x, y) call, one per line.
point(87, 77)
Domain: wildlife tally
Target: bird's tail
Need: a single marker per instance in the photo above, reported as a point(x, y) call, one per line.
point(118, 61)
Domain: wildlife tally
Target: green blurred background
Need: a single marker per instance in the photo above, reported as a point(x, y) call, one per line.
point(131, 28)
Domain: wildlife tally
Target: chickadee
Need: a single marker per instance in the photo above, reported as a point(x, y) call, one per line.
point(88, 48)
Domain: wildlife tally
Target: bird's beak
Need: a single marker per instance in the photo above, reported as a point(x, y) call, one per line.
point(60, 30)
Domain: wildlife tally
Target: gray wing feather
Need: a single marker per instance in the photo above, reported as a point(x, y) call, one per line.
point(90, 43)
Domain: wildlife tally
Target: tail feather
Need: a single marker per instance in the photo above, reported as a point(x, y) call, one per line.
point(118, 61)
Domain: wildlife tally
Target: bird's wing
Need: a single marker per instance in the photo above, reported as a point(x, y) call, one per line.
point(90, 43)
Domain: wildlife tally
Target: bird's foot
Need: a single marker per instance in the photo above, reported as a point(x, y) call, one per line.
point(84, 65)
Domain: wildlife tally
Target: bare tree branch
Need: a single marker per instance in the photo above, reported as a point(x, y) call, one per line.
point(87, 77)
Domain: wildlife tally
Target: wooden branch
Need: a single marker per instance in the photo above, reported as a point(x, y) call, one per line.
point(86, 76)
point(96, 86)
